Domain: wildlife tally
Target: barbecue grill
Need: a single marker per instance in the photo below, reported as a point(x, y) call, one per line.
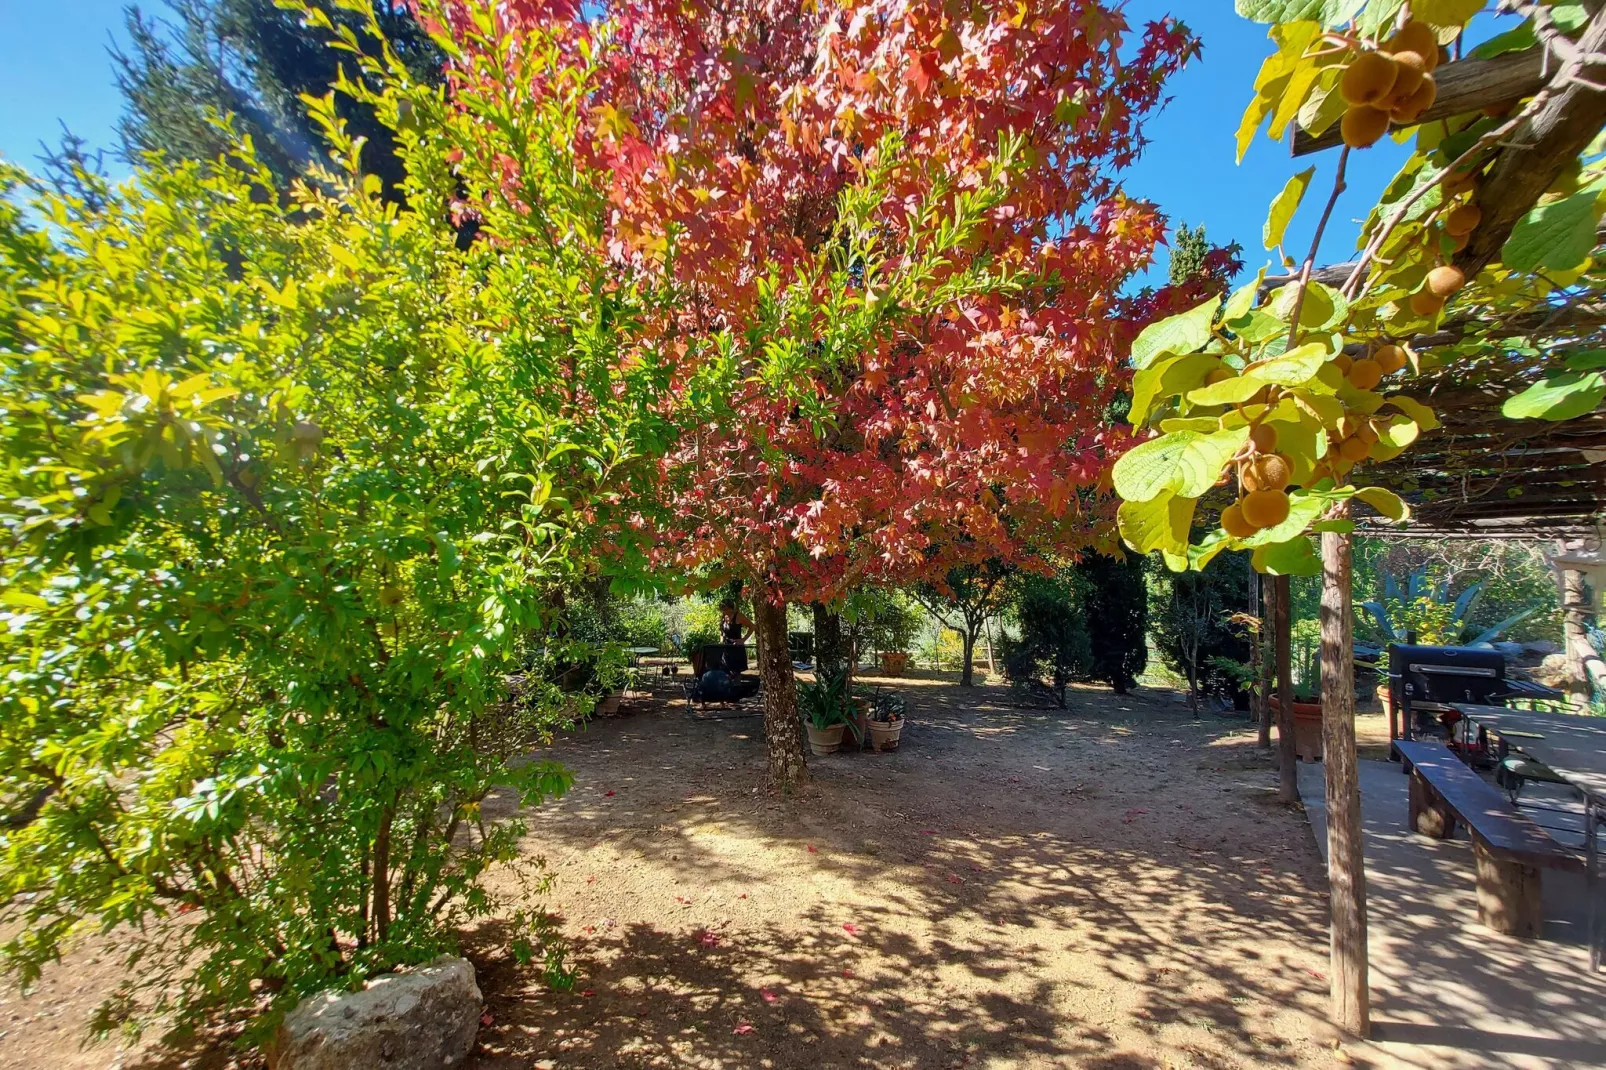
point(1424, 680)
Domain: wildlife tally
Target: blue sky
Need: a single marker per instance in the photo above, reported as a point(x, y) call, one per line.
point(53, 64)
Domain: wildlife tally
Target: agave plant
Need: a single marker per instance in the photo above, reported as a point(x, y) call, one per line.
point(1427, 608)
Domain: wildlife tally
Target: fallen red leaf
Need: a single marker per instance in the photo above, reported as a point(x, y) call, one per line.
point(588, 993)
point(743, 1028)
point(812, 849)
point(591, 928)
point(742, 896)
point(769, 997)
point(607, 795)
point(954, 878)
point(707, 939)
point(591, 879)
point(850, 928)
point(847, 973)
point(486, 1018)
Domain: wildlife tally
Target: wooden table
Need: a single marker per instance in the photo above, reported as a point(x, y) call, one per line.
point(1574, 748)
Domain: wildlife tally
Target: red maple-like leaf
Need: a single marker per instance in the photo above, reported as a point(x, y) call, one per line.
point(850, 928)
point(769, 996)
point(743, 1028)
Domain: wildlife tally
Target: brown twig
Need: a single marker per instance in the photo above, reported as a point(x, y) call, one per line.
point(1315, 244)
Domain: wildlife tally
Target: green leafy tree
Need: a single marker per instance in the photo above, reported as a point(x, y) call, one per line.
point(1116, 603)
point(1054, 647)
point(965, 599)
point(287, 482)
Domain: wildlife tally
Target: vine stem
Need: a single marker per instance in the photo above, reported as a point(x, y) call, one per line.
point(1315, 245)
point(1353, 285)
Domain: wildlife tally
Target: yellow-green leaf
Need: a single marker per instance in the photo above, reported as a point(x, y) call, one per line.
point(1184, 463)
point(1161, 523)
point(1283, 207)
point(1385, 501)
point(1165, 378)
point(1180, 334)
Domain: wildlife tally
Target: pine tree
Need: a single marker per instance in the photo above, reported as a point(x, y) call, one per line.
point(252, 60)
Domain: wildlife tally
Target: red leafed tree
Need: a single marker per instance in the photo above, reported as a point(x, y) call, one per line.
point(884, 242)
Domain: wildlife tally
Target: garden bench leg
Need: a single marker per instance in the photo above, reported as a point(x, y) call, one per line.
point(1428, 815)
point(1508, 894)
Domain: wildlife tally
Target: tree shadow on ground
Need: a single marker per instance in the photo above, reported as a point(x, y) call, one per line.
point(1109, 886)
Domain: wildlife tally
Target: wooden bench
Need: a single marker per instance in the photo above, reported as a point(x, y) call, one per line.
point(1509, 849)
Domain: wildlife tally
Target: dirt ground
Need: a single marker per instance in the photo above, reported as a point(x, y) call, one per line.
point(1112, 886)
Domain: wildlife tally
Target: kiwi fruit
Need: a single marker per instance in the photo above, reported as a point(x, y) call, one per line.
point(1234, 524)
point(1460, 180)
point(1459, 242)
point(1362, 125)
point(1426, 303)
point(1417, 105)
point(1463, 220)
point(1444, 281)
point(1269, 471)
point(1369, 79)
point(1344, 363)
point(1366, 433)
point(1264, 508)
point(1365, 373)
point(1415, 37)
point(1408, 78)
point(1390, 358)
point(1264, 436)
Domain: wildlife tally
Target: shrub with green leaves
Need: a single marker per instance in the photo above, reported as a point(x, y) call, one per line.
point(285, 478)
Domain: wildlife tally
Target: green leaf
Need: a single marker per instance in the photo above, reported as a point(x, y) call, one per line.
point(1296, 557)
point(1165, 378)
point(1587, 360)
point(1243, 299)
point(1513, 40)
point(1378, 15)
point(1569, 18)
point(1562, 396)
point(1326, 12)
point(1385, 501)
point(1184, 463)
point(1445, 12)
point(1422, 415)
point(1161, 523)
point(1558, 236)
point(1325, 105)
point(1180, 334)
point(1283, 207)
point(1293, 368)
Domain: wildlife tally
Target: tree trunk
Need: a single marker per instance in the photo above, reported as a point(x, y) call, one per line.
point(1259, 706)
point(381, 883)
point(1287, 756)
point(830, 650)
point(967, 672)
point(1346, 857)
point(783, 730)
point(992, 667)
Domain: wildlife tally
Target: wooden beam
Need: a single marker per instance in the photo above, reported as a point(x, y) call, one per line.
point(1539, 149)
point(1466, 85)
point(1348, 985)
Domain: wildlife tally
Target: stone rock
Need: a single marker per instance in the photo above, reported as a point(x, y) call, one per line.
point(1542, 648)
point(423, 1019)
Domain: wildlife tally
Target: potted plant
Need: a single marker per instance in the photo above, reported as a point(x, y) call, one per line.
point(886, 720)
point(823, 702)
point(894, 662)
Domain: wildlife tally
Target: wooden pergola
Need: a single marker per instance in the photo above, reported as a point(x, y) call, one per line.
point(1480, 474)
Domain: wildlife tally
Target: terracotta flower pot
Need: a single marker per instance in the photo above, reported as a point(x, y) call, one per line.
point(608, 705)
point(826, 740)
point(885, 734)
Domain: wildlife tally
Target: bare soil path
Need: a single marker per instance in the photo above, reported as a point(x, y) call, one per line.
point(1112, 886)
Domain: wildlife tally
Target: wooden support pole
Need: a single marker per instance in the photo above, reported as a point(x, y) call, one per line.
point(1259, 696)
point(1282, 629)
point(1346, 861)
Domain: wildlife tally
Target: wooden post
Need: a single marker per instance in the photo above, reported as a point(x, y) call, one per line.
point(1346, 860)
point(1282, 631)
point(1259, 696)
